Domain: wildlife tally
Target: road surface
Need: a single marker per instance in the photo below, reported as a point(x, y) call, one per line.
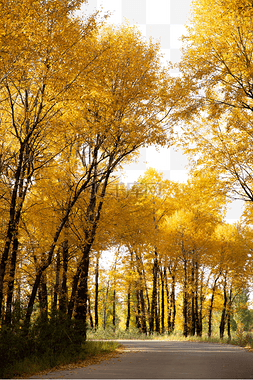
point(167, 360)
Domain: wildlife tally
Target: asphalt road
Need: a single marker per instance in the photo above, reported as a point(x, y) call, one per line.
point(168, 360)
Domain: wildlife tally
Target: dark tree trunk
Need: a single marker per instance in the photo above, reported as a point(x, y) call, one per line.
point(43, 298)
point(193, 313)
point(198, 316)
point(147, 296)
point(57, 279)
point(185, 300)
point(72, 300)
point(31, 300)
point(168, 303)
point(229, 314)
point(105, 304)
point(11, 281)
point(14, 216)
point(93, 216)
point(128, 307)
point(90, 315)
point(157, 310)
point(210, 311)
point(138, 314)
point(162, 304)
point(114, 309)
point(17, 305)
point(96, 291)
point(223, 314)
point(172, 300)
point(45, 265)
point(82, 292)
point(143, 312)
point(173, 303)
point(154, 295)
point(201, 300)
point(63, 298)
point(141, 292)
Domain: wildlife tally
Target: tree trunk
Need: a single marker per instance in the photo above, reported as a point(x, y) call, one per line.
point(172, 300)
point(210, 312)
point(57, 279)
point(168, 303)
point(154, 295)
point(128, 307)
point(138, 314)
point(173, 303)
point(201, 300)
point(141, 292)
point(82, 292)
point(11, 281)
point(193, 313)
point(17, 305)
point(72, 301)
point(157, 310)
point(51, 252)
point(93, 216)
point(143, 312)
point(114, 309)
point(185, 300)
point(229, 314)
point(147, 296)
point(105, 304)
point(63, 298)
point(162, 304)
point(96, 291)
point(14, 216)
point(198, 313)
point(223, 314)
point(43, 298)
point(90, 315)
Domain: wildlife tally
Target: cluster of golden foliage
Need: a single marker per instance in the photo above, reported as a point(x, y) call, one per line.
point(215, 90)
point(77, 98)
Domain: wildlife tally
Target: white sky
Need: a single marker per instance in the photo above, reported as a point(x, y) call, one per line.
point(163, 20)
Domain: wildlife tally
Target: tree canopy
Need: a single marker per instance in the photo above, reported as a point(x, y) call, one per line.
point(215, 90)
point(78, 98)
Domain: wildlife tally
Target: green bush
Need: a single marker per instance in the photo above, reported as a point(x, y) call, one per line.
point(56, 334)
point(48, 338)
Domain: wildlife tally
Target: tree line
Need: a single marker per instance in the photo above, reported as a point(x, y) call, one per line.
point(78, 99)
point(177, 261)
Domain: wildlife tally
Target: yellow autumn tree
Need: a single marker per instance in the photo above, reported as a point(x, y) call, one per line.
point(231, 254)
point(185, 244)
point(215, 90)
point(123, 109)
point(99, 112)
point(43, 50)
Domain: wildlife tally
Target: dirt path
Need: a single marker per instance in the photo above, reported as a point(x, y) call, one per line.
point(167, 360)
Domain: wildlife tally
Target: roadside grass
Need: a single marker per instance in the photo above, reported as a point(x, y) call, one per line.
point(238, 338)
point(54, 345)
point(49, 360)
point(48, 343)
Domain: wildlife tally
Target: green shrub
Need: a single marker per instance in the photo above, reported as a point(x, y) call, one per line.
point(47, 338)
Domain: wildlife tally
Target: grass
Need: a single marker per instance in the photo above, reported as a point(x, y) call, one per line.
point(239, 338)
point(47, 344)
point(35, 364)
point(47, 349)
